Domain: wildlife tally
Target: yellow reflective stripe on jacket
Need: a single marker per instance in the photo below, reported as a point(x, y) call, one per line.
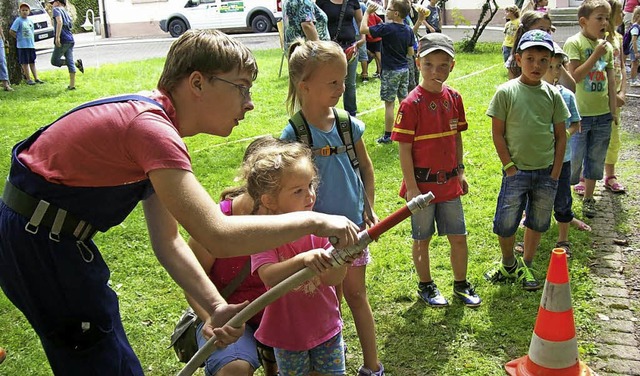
point(436, 135)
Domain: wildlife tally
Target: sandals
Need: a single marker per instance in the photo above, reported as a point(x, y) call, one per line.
point(579, 188)
point(566, 246)
point(615, 187)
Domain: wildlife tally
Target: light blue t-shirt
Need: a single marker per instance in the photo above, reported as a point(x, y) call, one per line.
point(570, 100)
point(339, 191)
point(24, 33)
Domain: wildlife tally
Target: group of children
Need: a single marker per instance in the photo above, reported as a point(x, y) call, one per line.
point(22, 30)
point(545, 135)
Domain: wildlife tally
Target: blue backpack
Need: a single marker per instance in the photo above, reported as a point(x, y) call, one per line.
point(626, 39)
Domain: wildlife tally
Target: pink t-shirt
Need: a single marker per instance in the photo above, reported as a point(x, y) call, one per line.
point(630, 5)
point(304, 317)
point(109, 145)
point(224, 271)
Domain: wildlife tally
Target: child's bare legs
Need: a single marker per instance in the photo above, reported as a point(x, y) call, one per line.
point(32, 66)
point(389, 114)
point(563, 231)
point(378, 58)
point(531, 243)
point(634, 69)
point(506, 247)
point(420, 253)
point(25, 71)
point(589, 187)
point(355, 293)
point(459, 256)
point(72, 79)
point(235, 368)
point(364, 66)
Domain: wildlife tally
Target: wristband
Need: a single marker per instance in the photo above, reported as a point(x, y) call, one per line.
point(508, 166)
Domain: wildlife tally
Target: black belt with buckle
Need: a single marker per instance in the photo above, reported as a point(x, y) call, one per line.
point(42, 213)
point(424, 175)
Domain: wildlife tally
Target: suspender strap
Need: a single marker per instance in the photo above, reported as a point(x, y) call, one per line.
point(237, 280)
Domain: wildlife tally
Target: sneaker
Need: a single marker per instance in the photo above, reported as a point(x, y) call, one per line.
point(467, 295)
point(376, 75)
point(30, 82)
point(384, 140)
point(365, 78)
point(499, 274)
point(39, 81)
point(363, 371)
point(71, 87)
point(635, 83)
point(80, 66)
point(589, 207)
point(525, 276)
point(431, 295)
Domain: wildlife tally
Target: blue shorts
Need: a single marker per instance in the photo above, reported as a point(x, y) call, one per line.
point(394, 84)
point(26, 55)
point(632, 55)
point(563, 202)
point(589, 147)
point(448, 216)
point(243, 349)
point(534, 190)
point(326, 358)
point(362, 53)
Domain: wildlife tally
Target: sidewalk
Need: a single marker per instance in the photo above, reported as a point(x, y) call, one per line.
point(615, 266)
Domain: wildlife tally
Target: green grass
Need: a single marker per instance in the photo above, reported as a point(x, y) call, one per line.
point(412, 339)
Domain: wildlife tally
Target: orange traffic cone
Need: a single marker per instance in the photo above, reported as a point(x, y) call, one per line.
point(554, 349)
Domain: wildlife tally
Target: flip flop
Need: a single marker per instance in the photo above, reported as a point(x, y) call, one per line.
point(581, 226)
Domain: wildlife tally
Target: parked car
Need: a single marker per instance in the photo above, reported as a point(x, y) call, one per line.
point(42, 26)
point(260, 15)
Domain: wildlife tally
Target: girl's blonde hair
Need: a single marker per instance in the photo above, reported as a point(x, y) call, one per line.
point(527, 20)
point(304, 59)
point(616, 9)
point(207, 51)
point(266, 167)
point(233, 192)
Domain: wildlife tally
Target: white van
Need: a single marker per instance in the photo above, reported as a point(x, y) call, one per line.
point(259, 15)
point(42, 26)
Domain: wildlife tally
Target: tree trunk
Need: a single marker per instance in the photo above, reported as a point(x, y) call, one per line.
point(8, 13)
point(490, 7)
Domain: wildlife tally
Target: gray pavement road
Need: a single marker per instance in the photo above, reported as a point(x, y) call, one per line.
point(96, 50)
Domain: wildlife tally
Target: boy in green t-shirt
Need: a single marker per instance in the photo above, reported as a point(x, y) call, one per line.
point(591, 66)
point(531, 156)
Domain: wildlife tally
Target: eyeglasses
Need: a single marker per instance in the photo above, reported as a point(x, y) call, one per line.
point(244, 90)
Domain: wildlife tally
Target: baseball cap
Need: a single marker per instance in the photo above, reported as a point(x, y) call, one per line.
point(535, 38)
point(24, 5)
point(558, 51)
point(435, 41)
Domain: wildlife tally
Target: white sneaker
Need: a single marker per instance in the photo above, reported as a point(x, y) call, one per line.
point(635, 83)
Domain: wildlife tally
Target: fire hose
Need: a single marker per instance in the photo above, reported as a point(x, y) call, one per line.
point(340, 257)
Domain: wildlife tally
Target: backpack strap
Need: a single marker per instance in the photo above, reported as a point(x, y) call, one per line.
point(301, 129)
point(346, 135)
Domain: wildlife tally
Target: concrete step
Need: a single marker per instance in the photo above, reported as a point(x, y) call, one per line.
point(564, 16)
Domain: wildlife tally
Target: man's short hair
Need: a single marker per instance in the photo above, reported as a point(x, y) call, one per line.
point(206, 51)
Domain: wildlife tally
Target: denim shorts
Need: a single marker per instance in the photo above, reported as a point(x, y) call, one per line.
point(506, 52)
point(632, 55)
point(533, 190)
point(326, 358)
point(394, 84)
point(589, 147)
point(563, 203)
point(244, 348)
point(362, 53)
point(447, 216)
